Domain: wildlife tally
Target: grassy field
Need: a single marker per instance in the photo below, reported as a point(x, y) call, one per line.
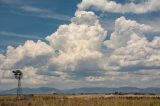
point(80, 100)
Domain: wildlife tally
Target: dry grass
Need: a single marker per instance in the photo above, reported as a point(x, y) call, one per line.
point(78, 100)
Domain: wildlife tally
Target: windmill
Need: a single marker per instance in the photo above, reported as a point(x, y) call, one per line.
point(18, 75)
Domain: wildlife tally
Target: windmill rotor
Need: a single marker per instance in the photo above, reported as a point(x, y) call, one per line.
point(18, 74)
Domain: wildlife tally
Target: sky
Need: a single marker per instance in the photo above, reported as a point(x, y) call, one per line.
point(80, 43)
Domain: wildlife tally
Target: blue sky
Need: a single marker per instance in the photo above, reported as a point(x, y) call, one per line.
point(19, 24)
point(80, 43)
point(19, 17)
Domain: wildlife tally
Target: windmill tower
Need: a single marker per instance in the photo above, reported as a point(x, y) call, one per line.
point(18, 75)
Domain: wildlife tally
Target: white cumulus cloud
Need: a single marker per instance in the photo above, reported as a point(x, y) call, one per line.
point(112, 6)
point(79, 52)
point(124, 29)
point(80, 40)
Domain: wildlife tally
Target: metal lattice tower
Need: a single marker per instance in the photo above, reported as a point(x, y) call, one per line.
point(18, 75)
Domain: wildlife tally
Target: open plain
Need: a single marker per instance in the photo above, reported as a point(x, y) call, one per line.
point(81, 100)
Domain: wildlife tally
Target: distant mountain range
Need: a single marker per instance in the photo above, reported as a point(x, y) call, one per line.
point(47, 90)
point(41, 90)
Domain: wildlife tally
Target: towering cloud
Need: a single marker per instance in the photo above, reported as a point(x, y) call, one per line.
point(79, 51)
point(124, 30)
point(79, 41)
point(72, 48)
point(131, 49)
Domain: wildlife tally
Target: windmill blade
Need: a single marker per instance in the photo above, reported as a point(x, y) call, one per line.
point(14, 72)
